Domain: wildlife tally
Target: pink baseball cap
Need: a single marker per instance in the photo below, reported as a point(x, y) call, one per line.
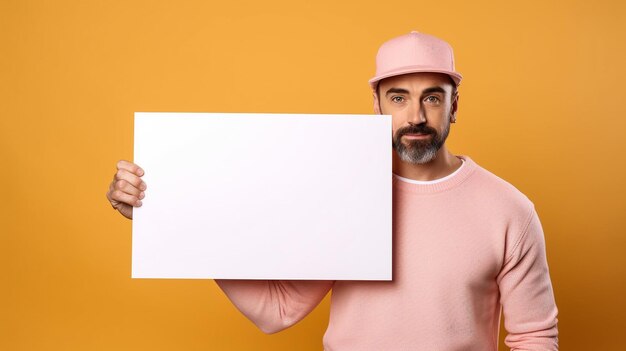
point(414, 52)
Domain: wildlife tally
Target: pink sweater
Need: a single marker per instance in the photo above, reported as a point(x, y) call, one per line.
point(464, 249)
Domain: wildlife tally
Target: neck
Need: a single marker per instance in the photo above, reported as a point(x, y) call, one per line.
point(442, 165)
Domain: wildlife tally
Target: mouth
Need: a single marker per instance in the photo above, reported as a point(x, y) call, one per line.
point(416, 136)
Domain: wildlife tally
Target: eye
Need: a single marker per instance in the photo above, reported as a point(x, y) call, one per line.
point(397, 99)
point(432, 99)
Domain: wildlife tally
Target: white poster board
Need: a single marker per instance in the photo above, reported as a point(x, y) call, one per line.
point(263, 196)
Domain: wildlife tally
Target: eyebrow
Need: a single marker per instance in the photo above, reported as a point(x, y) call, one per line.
point(426, 91)
point(397, 91)
point(434, 90)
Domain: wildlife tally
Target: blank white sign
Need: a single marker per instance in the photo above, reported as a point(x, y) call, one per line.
point(263, 196)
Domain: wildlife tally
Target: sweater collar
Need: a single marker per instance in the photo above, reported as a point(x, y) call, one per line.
point(458, 178)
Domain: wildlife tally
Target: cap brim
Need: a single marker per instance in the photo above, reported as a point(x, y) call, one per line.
point(456, 77)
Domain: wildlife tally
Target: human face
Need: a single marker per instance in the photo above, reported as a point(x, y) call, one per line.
point(422, 106)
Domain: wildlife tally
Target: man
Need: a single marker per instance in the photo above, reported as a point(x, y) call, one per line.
point(466, 243)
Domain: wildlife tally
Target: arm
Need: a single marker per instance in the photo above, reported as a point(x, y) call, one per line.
point(274, 305)
point(530, 312)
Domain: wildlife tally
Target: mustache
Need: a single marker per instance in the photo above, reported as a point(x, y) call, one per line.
point(416, 129)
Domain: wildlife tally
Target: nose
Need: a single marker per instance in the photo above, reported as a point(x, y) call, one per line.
point(417, 113)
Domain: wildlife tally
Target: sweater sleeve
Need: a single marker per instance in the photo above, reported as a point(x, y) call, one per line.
point(526, 295)
point(274, 305)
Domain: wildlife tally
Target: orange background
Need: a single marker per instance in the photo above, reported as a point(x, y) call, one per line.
point(541, 105)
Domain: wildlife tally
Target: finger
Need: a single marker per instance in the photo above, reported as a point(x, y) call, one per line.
point(131, 167)
point(111, 189)
point(128, 188)
point(123, 197)
point(131, 178)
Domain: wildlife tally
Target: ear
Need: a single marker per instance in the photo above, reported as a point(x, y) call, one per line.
point(376, 104)
point(454, 108)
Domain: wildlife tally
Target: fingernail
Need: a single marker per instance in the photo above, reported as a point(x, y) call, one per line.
point(140, 172)
point(142, 195)
point(143, 186)
point(138, 203)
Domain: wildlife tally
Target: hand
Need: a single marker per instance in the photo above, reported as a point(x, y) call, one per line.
point(127, 188)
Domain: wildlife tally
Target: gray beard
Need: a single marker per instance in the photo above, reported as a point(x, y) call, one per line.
point(419, 152)
point(417, 155)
